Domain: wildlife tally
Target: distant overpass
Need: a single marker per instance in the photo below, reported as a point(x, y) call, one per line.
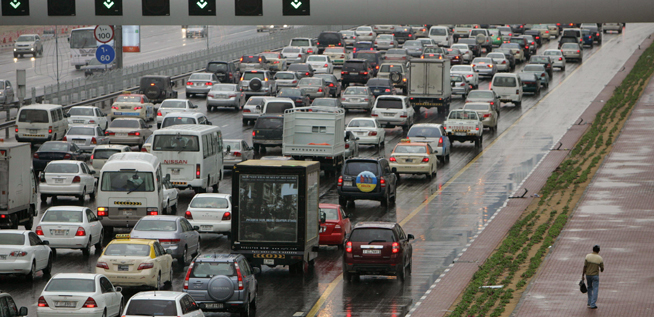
point(320, 12)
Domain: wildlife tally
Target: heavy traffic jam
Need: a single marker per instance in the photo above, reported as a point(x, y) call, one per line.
point(143, 184)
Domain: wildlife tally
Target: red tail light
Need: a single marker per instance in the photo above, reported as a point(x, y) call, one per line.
point(197, 171)
point(382, 182)
point(18, 253)
point(151, 211)
point(487, 115)
point(253, 133)
point(426, 159)
point(326, 65)
point(469, 75)
point(50, 130)
point(236, 153)
point(392, 159)
point(80, 232)
point(240, 276)
point(377, 67)
point(109, 133)
point(114, 107)
point(67, 156)
point(347, 146)
point(396, 247)
point(102, 211)
point(560, 58)
point(542, 75)
point(526, 46)
point(36, 155)
point(307, 73)
point(188, 215)
point(340, 181)
point(387, 90)
point(504, 62)
point(169, 240)
point(578, 51)
point(246, 110)
point(188, 83)
point(144, 149)
point(363, 73)
point(145, 266)
point(134, 133)
point(348, 247)
point(102, 265)
point(94, 141)
point(188, 275)
point(227, 215)
point(159, 114)
point(372, 133)
point(42, 302)
point(440, 141)
point(65, 138)
point(39, 231)
point(138, 108)
point(16, 130)
point(319, 89)
point(344, 73)
point(331, 84)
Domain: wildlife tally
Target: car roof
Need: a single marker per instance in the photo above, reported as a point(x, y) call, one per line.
point(14, 231)
point(69, 208)
point(217, 257)
point(158, 295)
point(83, 126)
point(217, 195)
point(423, 144)
point(79, 276)
point(184, 114)
point(110, 146)
point(133, 241)
point(375, 224)
point(426, 125)
point(323, 205)
point(161, 217)
point(129, 94)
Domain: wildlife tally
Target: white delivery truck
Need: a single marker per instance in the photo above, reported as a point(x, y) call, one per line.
point(17, 186)
point(429, 84)
point(315, 133)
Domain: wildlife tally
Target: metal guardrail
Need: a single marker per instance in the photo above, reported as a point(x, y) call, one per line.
point(107, 86)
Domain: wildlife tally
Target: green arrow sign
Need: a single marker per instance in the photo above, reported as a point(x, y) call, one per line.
point(15, 4)
point(202, 4)
point(296, 4)
point(108, 4)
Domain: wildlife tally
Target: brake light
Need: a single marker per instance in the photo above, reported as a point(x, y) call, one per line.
point(102, 265)
point(560, 58)
point(440, 141)
point(153, 211)
point(425, 160)
point(36, 155)
point(542, 75)
point(236, 153)
point(363, 73)
point(331, 84)
point(114, 107)
point(49, 129)
point(517, 92)
point(138, 108)
point(319, 89)
point(67, 156)
point(504, 62)
point(102, 211)
point(134, 133)
point(94, 141)
point(145, 266)
point(347, 146)
point(42, 302)
point(348, 247)
point(392, 159)
point(578, 51)
point(16, 129)
point(80, 232)
point(197, 171)
point(396, 247)
point(227, 215)
point(382, 182)
point(372, 133)
point(526, 46)
point(188, 83)
point(487, 115)
point(188, 275)
point(240, 276)
point(469, 75)
point(65, 138)
point(169, 240)
point(18, 253)
point(144, 149)
point(307, 73)
point(253, 133)
point(188, 215)
point(109, 133)
point(39, 231)
point(340, 181)
point(387, 90)
point(344, 73)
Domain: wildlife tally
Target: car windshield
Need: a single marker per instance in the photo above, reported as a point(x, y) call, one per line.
point(127, 181)
point(251, 59)
point(151, 307)
point(533, 68)
point(527, 76)
point(269, 123)
point(78, 111)
point(410, 149)
point(284, 76)
point(156, 225)
point(33, 116)
point(539, 59)
point(477, 106)
point(255, 101)
point(300, 42)
point(298, 67)
point(126, 249)
point(438, 31)
point(387, 68)
point(364, 29)
point(463, 115)
point(349, 33)
point(270, 55)
point(425, 132)
point(356, 167)
point(310, 82)
point(330, 213)
point(436, 50)
point(573, 46)
point(372, 234)
point(482, 60)
point(62, 216)
point(356, 91)
point(209, 202)
point(178, 142)
point(25, 38)
point(481, 94)
point(496, 55)
point(378, 82)
point(290, 92)
point(103, 154)
point(389, 103)
point(452, 51)
point(368, 56)
point(211, 269)
point(461, 69)
point(216, 67)
point(503, 81)
point(202, 76)
point(463, 47)
point(81, 131)
point(510, 45)
point(456, 78)
point(251, 75)
point(278, 107)
point(412, 43)
point(224, 87)
point(123, 98)
point(54, 147)
point(361, 124)
point(317, 59)
point(233, 144)
point(71, 285)
point(173, 104)
point(327, 102)
point(12, 238)
point(397, 51)
point(55, 167)
point(118, 123)
point(171, 121)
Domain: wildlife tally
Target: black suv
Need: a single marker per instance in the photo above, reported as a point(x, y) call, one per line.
point(222, 283)
point(268, 131)
point(356, 71)
point(226, 72)
point(373, 57)
point(157, 88)
point(367, 178)
point(329, 38)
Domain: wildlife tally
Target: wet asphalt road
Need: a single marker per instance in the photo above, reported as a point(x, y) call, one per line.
point(443, 214)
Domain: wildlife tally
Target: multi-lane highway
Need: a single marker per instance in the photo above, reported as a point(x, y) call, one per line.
point(443, 214)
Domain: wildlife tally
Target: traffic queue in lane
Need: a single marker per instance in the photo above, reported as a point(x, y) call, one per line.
point(359, 178)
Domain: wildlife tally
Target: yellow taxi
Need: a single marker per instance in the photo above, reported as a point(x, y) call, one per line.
point(276, 61)
point(413, 158)
point(128, 105)
point(136, 263)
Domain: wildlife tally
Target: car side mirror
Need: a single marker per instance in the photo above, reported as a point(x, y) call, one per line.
point(256, 270)
point(394, 170)
point(410, 237)
point(118, 289)
point(209, 123)
point(481, 119)
point(167, 178)
point(194, 106)
point(356, 139)
point(172, 83)
point(202, 306)
point(66, 115)
point(169, 252)
point(196, 228)
point(45, 242)
point(228, 148)
point(149, 126)
point(22, 311)
point(323, 217)
point(98, 218)
point(92, 172)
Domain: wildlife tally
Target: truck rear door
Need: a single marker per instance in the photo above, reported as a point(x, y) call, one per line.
point(418, 78)
point(4, 184)
point(434, 82)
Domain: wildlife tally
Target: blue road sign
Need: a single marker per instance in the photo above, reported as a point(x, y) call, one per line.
point(105, 54)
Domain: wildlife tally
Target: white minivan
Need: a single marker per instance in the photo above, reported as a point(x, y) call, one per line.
point(440, 35)
point(508, 88)
point(130, 187)
point(40, 123)
point(192, 154)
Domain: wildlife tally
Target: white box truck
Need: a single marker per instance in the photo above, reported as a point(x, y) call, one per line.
point(429, 84)
point(17, 186)
point(315, 133)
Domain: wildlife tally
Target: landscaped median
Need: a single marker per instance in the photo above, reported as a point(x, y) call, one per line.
point(518, 257)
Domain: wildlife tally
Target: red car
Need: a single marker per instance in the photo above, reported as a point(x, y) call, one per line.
point(335, 226)
point(377, 248)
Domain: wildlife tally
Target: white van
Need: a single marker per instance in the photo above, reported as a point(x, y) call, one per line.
point(508, 87)
point(192, 154)
point(277, 105)
point(130, 187)
point(440, 35)
point(40, 123)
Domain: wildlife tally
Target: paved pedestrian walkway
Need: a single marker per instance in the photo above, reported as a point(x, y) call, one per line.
point(616, 212)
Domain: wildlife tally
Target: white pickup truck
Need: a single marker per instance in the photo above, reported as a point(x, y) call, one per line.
point(464, 125)
point(462, 30)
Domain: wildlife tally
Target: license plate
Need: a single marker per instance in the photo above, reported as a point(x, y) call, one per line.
point(206, 228)
point(3, 256)
point(34, 131)
point(389, 114)
point(408, 160)
point(118, 113)
point(78, 121)
point(322, 229)
point(214, 305)
point(371, 251)
point(376, 90)
point(79, 141)
point(59, 181)
point(269, 261)
point(59, 232)
point(460, 133)
point(121, 134)
point(123, 268)
point(126, 212)
point(65, 304)
point(347, 183)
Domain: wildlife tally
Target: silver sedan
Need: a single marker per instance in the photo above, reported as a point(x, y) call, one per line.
point(386, 41)
point(502, 63)
point(236, 151)
point(86, 137)
point(314, 87)
point(357, 97)
point(572, 51)
point(224, 95)
point(557, 57)
point(128, 131)
point(176, 235)
point(200, 83)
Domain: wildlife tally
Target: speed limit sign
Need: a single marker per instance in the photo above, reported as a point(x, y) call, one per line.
point(104, 33)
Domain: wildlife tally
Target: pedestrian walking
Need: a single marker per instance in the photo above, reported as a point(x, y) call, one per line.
point(593, 265)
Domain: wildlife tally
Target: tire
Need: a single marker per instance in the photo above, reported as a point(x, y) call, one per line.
point(441, 159)
point(82, 196)
point(34, 54)
point(401, 273)
point(182, 260)
point(87, 249)
point(47, 271)
point(447, 158)
point(347, 276)
point(518, 103)
point(197, 249)
point(159, 286)
point(342, 201)
point(44, 199)
point(169, 284)
point(98, 245)
point(32, 273)
point(30, 223)
point(477, 143)
point(215, 187)
point(245, 121)
point(173, 209)
point(246, 311)
point(257, 148)
point(92, 194)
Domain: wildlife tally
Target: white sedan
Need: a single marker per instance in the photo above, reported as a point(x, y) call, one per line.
point(501, 61)
point(67, 178)
point(173, 105)
point(465, 52)
point(365, 33)
point(80, 294)
point(468, 73)
point(71, 227)
point(23, 252)
point(557, 57)
point(321, 64)
point(81, 115)
point(211, 212)
point(368, 130)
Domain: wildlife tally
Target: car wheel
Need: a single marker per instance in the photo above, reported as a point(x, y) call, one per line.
point(98, 245)
point(44, 199)
point(183, 259)
point(246, 310)
point(82, 196)
point(32, 273)
point(169, 284)
point(401, 272)
point(256, 148)
point(87, 249)
point(347, 276)
point(47, 271)
point(159, 286)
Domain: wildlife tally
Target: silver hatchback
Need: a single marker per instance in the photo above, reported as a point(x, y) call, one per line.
point(176, 235)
